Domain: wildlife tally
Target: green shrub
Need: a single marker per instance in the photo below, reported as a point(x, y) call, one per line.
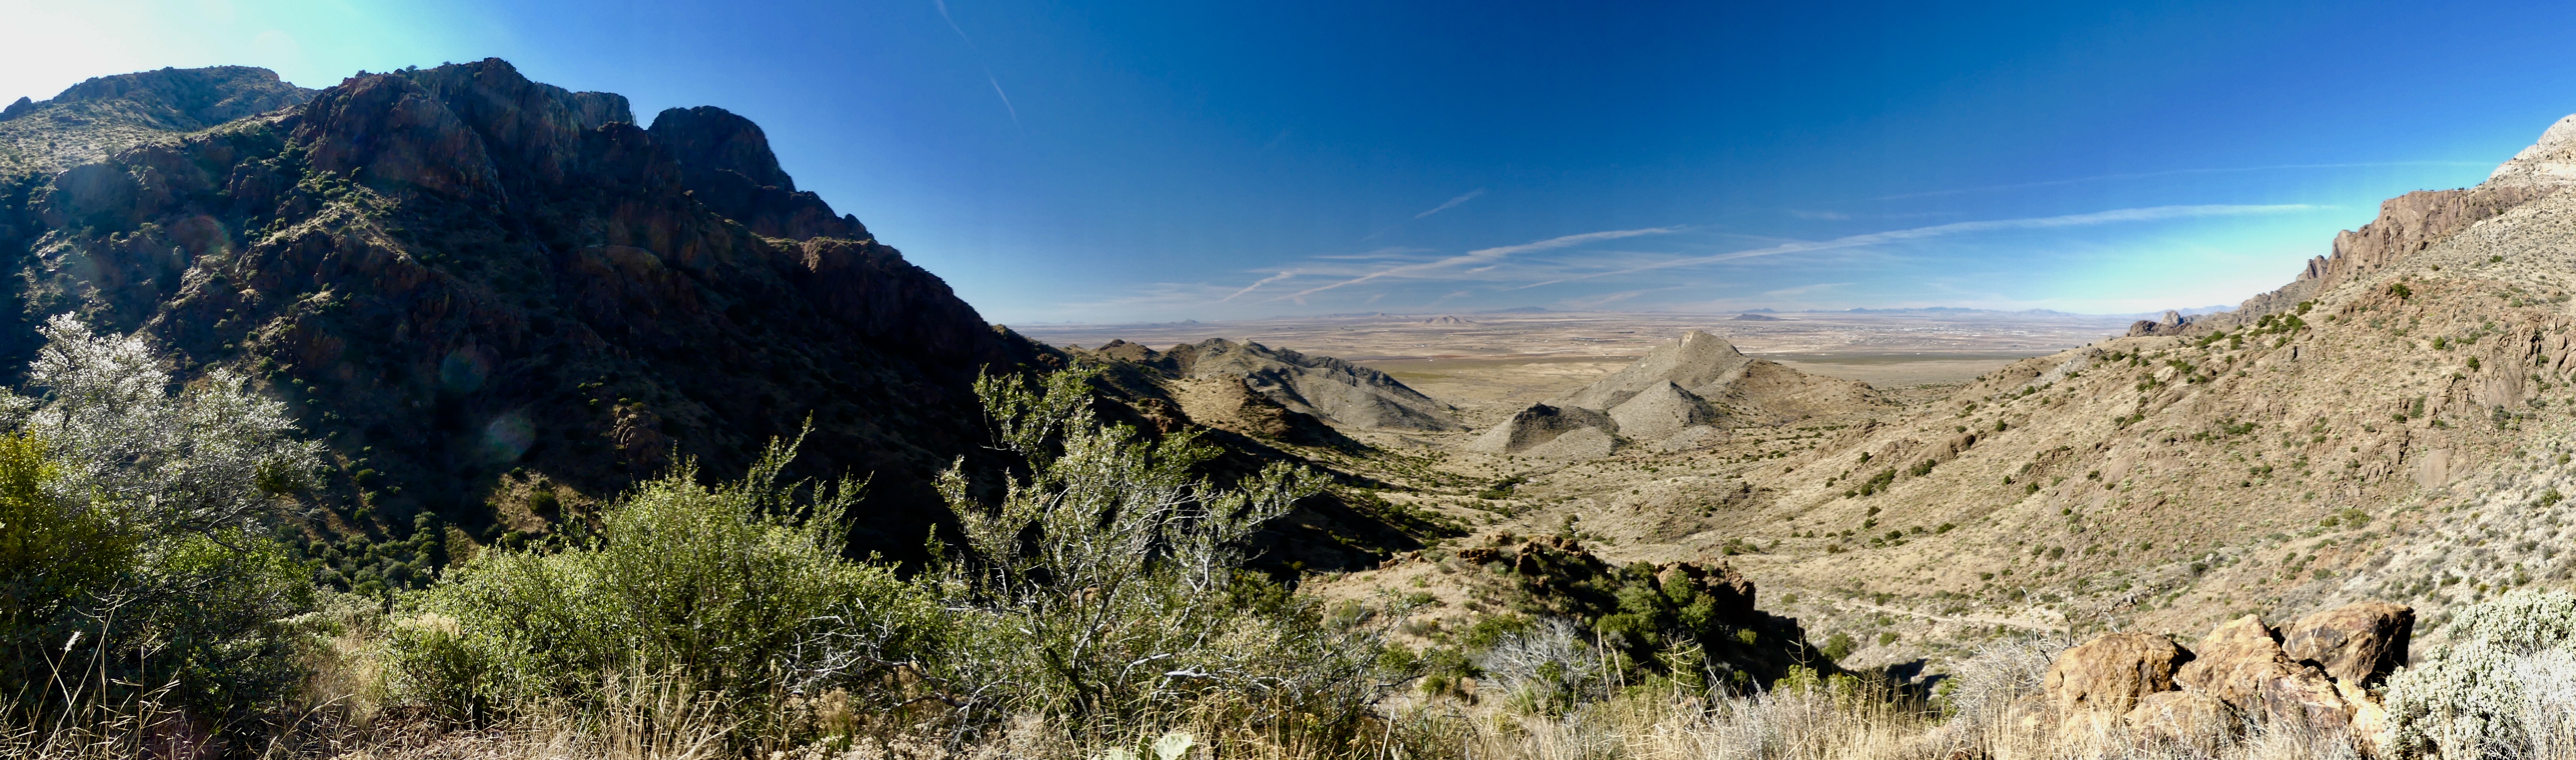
point(739, 589)
point(1105, 586)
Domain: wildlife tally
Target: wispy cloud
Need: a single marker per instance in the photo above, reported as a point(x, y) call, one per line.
point(1831, 215)
point(1482, 256)
point(2169, 173)
point(1257, 284)
point(1804, 289)
point(2152, 213)
point(1452, 203)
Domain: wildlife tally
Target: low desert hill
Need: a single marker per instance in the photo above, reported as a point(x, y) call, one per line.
point(1676, 397)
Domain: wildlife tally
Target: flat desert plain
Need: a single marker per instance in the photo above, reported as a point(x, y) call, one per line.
point(1511, 359)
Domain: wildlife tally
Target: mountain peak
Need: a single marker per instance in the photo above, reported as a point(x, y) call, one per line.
point(713, 139)
point(2550, 162)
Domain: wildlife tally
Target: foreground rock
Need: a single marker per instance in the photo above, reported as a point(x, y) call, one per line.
point(2237, 675)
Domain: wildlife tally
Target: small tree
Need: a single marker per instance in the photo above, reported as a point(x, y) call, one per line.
point(1107, 574)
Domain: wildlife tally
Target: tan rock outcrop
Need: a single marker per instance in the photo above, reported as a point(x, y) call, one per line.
point(2356, 644)
point(2241, 663)
point(2110, 674)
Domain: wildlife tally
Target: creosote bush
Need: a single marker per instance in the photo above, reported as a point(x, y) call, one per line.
point(737, 589)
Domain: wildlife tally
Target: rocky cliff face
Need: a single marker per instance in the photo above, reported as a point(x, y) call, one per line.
point(476, 287)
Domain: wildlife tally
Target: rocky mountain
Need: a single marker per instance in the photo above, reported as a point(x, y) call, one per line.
point(493, 298)
point(1675, 397)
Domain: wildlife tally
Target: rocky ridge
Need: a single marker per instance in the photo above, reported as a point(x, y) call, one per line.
point(477, 288)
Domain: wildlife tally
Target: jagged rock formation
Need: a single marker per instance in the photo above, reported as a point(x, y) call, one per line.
point(2173, 323)
point(1678, 396)
point(1324, 387)
point(457, 274)
point(1446, 320)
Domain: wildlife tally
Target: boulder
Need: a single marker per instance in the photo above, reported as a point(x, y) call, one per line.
point(2357, 644)
point(2241, 663)
point(2111, 673)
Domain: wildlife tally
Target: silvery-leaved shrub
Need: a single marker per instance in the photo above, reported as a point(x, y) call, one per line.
point(133, 553)
point(2498, 687)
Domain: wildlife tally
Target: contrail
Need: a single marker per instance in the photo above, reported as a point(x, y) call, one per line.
point(1263, 281)
point(1453, 203)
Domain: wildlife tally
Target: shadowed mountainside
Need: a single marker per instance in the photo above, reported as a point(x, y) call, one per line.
point(477, 287)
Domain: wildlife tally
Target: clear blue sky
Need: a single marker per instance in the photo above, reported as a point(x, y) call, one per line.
point(1159, 161)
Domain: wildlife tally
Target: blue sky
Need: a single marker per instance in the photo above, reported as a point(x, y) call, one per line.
point(1161, 161)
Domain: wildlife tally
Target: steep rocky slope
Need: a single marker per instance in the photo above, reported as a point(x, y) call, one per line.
point(479, 288)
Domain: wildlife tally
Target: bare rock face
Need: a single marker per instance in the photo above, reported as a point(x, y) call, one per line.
point(1541, 425)
point(2550, 162)
point(726, 163)
point(2112, 673)
point(2241, 663)
point(2358, 644)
